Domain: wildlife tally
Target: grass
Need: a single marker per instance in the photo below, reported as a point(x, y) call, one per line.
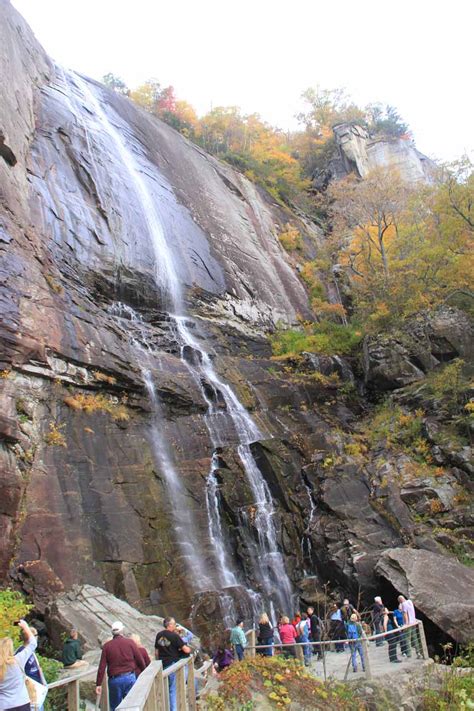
point(323, 338)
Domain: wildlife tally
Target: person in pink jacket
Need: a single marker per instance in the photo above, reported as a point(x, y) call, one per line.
point(287, 636)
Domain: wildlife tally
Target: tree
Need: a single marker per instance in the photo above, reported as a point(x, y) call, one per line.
point(328, 107)
point(116, 83)
point(386, 122)
point(147, 95)
point(366, 214)
point(406, 248)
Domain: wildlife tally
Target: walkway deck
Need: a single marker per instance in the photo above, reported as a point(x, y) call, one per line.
point(338, 664)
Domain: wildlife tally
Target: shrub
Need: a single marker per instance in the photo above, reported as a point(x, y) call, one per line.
point(13, 607)
point(54, 437)
point(290, 239)
point(325, 338)
point(92, 402)
point(282, 682)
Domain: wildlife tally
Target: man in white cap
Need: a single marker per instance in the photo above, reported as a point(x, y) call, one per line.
point(120, 656)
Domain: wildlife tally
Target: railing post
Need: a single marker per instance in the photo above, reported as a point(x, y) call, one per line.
point(104, 697)
point(73, 696)
point(424, 646)
point(181, 689)
point(251, 640)
point(159, 690)
point(191, 686)
point(299, 653)
point(365, 650)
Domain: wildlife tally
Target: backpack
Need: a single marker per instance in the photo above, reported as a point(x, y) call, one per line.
point(353, 630)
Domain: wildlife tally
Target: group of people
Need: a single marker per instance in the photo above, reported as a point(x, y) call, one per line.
point(343, 624)
point(124, 658)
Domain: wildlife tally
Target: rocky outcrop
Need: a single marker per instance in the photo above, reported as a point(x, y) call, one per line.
point(391, 362)
point(439, 587)
point(92, 611)
point(360, 152)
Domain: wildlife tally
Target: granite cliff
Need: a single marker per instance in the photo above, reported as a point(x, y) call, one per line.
point(149, 445)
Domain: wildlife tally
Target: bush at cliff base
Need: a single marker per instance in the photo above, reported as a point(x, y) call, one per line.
point(283, 683)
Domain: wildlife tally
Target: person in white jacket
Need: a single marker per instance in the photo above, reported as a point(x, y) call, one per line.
point(13, 692)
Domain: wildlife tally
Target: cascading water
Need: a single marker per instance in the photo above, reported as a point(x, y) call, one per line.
point(269, 564)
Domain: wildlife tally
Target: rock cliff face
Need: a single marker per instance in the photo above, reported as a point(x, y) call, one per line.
point(358, 152)
point(149, 445)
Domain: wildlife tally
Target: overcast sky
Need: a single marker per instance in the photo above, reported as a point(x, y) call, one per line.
point(261, 54)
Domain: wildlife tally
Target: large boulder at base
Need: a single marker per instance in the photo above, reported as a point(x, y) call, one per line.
point(92, 611)
point(440, 587)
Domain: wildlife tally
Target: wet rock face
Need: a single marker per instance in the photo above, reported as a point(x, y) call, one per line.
point(83, 317)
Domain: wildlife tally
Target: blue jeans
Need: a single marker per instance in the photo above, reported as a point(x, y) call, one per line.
point(172, 690)
point(239, 650)
point(357, 647)
point(119, 688)
point(268, 651)
point(306, 650)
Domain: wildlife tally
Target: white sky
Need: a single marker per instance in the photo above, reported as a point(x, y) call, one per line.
point(261, 54)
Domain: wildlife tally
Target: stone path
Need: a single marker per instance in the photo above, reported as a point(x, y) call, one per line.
point(338, 663)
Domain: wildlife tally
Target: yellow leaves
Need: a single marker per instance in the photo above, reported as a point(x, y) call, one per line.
point(290, 239)
point(92, 402)
point(54, 437)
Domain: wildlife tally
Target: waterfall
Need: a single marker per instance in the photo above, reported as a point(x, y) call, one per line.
point(216, 534)
point(184, 527)
point(269, 564)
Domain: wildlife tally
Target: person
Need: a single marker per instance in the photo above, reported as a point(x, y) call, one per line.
point(354, 634)
point(238, 639)
point(377, 619)
point(146, 657)
point(347, 610)
point(398, 615)
point(32, 666)
point(302, 630)
point(287, 636)
point(265, 635)
point(296, 619)
point(170, 648)
point(72, 652)
point(409, 618)
point(13, 692)
point(336, 627)
point(120, 656)
point(390, 623)
point(222, 659)
point(314, 631)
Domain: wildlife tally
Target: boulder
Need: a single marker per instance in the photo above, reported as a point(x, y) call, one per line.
point(92, 610)
point(440, 587)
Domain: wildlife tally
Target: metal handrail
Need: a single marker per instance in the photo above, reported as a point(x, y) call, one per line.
point(368, 638)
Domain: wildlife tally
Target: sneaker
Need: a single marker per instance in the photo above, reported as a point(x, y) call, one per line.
point(396, 661)
point(355, 671)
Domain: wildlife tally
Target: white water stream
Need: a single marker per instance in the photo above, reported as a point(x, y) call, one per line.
point(269, 567)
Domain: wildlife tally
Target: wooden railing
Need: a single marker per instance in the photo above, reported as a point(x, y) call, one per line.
point(151, 692)
point(72, 686)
